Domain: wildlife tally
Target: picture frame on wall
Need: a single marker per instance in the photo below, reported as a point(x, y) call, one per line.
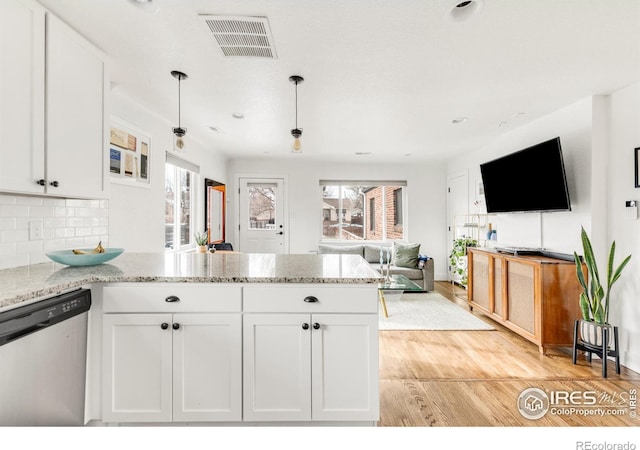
point(129, 154)
point(637, 165)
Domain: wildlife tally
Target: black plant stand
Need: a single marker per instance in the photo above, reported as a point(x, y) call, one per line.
point(603, 352)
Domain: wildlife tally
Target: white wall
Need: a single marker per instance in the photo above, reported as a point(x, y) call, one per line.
point(598, 137)
point(426, 198)
point(624, 136)
point(136, 220)
point(556, 231)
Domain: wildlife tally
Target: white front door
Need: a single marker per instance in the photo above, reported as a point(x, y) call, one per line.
point(262, 215)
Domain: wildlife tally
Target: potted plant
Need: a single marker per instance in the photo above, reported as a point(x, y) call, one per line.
point(595, 297)
point(458, 257)
point(202, 239)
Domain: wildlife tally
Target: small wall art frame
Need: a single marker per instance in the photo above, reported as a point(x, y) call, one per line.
point(129, 154)
point(637, 165)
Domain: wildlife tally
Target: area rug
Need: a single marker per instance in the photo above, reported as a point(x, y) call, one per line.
point(428, 311)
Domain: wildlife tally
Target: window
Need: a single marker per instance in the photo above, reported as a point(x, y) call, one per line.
point(397, 207)
point(372, 214)
point(179, 204)
point(363, 210)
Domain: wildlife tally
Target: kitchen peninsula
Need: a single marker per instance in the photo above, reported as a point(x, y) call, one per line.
point(222, 338)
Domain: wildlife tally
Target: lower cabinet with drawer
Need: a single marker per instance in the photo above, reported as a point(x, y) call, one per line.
point(160, 365)
point(318, 361)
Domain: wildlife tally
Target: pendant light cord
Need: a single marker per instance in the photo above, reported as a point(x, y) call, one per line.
point(179, 81)
point(296, 105)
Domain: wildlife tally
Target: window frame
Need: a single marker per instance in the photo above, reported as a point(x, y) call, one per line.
point(399, 184)
point(193, 172)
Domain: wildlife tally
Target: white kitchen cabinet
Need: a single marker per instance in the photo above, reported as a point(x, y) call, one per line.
point(160, 366)
point(52, 110)
point(320, 366)
point(75, 120)
point(22, 57)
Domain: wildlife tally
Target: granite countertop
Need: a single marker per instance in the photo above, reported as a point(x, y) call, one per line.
point(22, 284)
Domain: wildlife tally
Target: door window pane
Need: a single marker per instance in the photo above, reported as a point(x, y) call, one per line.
point(262, 206)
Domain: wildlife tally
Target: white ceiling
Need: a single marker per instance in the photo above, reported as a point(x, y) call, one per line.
point(381, 76)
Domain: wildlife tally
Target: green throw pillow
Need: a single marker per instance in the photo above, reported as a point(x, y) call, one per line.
point(405, 255)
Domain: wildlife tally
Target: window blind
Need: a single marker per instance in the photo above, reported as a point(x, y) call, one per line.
point(183, 163)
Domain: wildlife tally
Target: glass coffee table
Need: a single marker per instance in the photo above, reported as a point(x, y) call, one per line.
point(393, 287)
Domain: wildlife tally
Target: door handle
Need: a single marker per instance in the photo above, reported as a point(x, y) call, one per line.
point(280, 232)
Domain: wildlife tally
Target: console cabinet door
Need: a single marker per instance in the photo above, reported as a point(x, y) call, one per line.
point(75, 114)
point(344, 349)
point(277, 367)
point(207, 367)
point(136, 368)
point(21, 96)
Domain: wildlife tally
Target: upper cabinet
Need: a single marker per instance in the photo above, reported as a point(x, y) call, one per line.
point(22, 96)
point(52, 88)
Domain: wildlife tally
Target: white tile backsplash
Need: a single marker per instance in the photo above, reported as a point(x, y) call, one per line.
point(67, 223)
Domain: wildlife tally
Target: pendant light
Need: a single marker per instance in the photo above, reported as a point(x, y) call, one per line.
point(178, 143)
point(296, 132)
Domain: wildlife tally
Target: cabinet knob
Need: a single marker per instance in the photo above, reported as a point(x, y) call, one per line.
point(172, 299)
point(41, 182)
point(311, 299)
point(164, 325)
point(305, 326)
point(176, 326)
point(54, 184)
point(316, 326)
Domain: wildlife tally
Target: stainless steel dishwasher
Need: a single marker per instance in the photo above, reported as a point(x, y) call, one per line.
point(43, 354)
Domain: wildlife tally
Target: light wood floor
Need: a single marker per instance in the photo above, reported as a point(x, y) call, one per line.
point(474, 378)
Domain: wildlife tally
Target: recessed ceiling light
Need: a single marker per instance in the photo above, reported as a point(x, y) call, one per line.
point(238, 115)
point(363, 153)
point(407, 154)
point(464, 10)
point(146, 5)
point(215, 129)
point(458, 120)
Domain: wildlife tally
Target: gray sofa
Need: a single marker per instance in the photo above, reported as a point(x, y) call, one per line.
point(371, 253)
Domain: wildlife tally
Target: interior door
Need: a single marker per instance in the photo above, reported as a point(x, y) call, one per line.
point(261, 215)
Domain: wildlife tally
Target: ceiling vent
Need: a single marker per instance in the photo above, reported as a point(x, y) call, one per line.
point(241, 36)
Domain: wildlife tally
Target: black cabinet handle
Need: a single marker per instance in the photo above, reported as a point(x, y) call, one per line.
point(176, 326)
point(41, 182)
point(164, 325)
point(280, 232)
point(172, 299)
point(311, 299)
point(305, 326)
point(54, 184)
point(316, 326)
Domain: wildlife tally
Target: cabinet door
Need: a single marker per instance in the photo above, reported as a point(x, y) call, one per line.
point(277, 367)
point(344, 350)
point(21, 96)
point(75, 114)
point(207, 367)
point(136, 368)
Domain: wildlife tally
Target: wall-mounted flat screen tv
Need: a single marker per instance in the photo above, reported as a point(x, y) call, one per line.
point(530, 180)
